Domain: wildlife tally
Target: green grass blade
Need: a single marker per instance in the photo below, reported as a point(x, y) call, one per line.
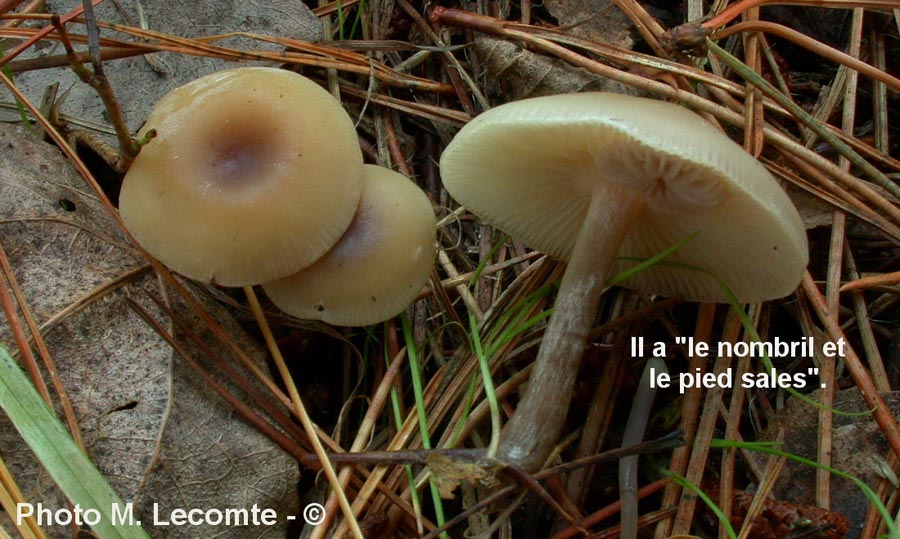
point(415, 370)
point(652, 261)
point(488, 382)
point(685, 484)
point(69, 467)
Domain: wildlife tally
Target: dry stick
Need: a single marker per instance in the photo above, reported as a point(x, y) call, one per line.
point(42, 33)
point(734, 10)
point(783, 142)
point(301, 411)
point(638, 61)
point(315, 55)
point(526, 282)
point(362, 437)
point(268, 405)
point(480, 413)
point(431, 398)
point(733, 415)
point(462, 289)
point(754, 136)
point(406, 430)
point(705, 431)
point(646, 25)
point(424, 110)
point(827, 378)
point(128, 147)
point(773, 469)
point(93, 295)
point(754, 143)
point(8, 5)
point(33, 7)
point(864, 326)
point(879, 92)
point(290, 445)
point(436, 39)
point(664, 442)
point(874, 525)
point(816, 47)
point(464, 278)
point(689, 413)
point(11, 496)
point(533, 276)
point(82, 227)
point(611, 509)
point(834, 194)
point(717, 85)
point(634, 433)
point(334, 7)
point(658, 444)
point(833, 282)
point(46, 357)
point(880, 411)
point(876, 175)
point(885, 279)
point(606, 391)
point(9, 308)
point(248, 414)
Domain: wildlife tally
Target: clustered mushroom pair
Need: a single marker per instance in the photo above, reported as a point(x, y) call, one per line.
point(255, 176)
point(601, 181)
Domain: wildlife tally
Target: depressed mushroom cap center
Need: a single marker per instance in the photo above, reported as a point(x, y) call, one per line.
point(665, 183)
point(243, 155)
point(254, 174)
point(239, 161)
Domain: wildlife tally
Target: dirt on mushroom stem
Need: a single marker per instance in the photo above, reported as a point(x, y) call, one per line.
point(532, 432)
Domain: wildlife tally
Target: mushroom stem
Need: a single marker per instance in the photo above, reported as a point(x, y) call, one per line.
point(534, 429)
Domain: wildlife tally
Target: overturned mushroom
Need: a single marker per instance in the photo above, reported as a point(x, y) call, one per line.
point(254, 173)
point(379, 265)
point(599, 179)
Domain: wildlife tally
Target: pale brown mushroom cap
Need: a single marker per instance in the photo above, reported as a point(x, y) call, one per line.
point(378, 266)
point(254, 173)
point(529, 168)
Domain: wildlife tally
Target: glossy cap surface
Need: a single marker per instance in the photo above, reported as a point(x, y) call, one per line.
point(254, 173)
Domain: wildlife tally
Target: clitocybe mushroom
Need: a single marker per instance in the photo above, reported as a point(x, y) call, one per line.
point(254, 174)
point(379, 265)
point(595, 179)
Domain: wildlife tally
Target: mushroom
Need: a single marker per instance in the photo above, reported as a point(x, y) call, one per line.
point(254, 174)
point(600, 179)
point(379, 265)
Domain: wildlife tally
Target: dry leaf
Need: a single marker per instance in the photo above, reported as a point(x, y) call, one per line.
point(597, 21)
point(858, 447)
point(523, 73)
point(138, 85)
point(447, 472)
point(158, 433)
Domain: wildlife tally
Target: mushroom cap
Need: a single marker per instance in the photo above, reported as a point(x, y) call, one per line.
point(254, 173)
point(379, 265)
point(530, 167)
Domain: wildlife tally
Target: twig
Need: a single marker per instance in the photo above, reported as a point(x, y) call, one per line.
point(664, 442)
point(885, 279)
point(301, 412)
point(812, 45)
point(741, 69)
point(97, 80)
point(880, 411)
